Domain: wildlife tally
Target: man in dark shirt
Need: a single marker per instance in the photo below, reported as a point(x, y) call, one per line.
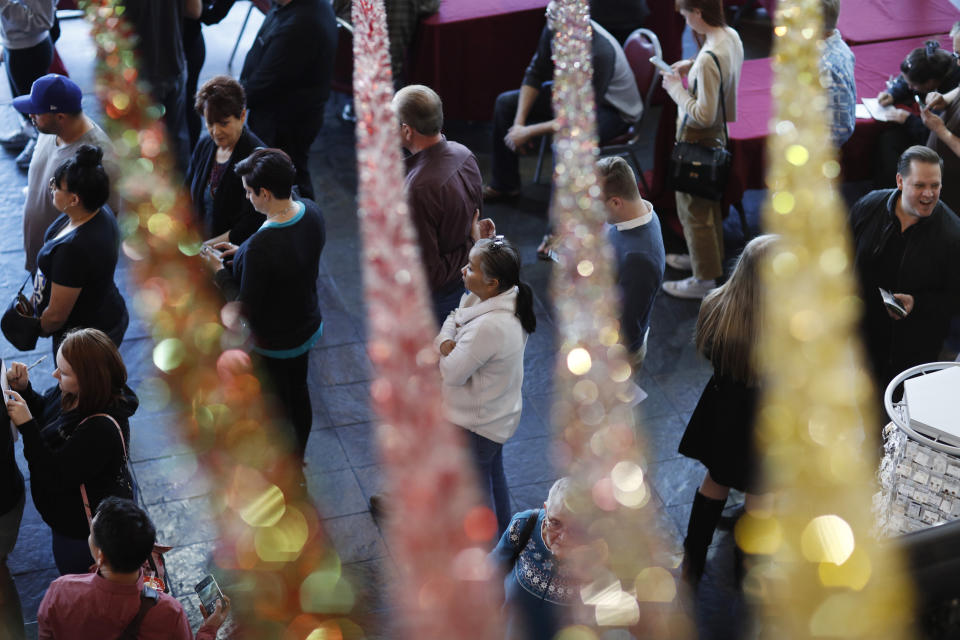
point(287, 75)
point(163, 63)
point(907, 242)
point(521, 116)
point(443, 188)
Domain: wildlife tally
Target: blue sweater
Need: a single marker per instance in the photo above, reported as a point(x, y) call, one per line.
point(640, 266)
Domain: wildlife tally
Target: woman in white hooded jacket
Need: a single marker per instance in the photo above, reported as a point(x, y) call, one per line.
point(481, 345)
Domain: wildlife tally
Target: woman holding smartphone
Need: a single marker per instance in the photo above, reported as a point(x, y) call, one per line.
point(80, 437)
point(700, 120)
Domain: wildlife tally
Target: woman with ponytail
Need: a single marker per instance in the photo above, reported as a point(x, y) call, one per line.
point(481, 344)
point(73, 286)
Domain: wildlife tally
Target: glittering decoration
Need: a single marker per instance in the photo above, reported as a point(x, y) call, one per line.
point(436, 530)
point(827, 576)
point(598, 444)
point(288, 580)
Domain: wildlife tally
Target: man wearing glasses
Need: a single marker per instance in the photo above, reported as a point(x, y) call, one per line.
point(54, 106)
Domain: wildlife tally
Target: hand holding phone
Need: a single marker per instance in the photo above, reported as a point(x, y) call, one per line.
point(209, 591)
point(658, 62)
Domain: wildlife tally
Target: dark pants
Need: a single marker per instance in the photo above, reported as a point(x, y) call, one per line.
point(506, 164)
point(446, 300)
point(172, 96)
point(11, 616)
point(294, 135)
point(488, 458)
point(71, 555)
point(116, 333)
point(285, 379)
point(26, 65)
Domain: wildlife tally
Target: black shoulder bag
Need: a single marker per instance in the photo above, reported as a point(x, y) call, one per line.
point(697, 169)
point(20, 323)
point(148, 598)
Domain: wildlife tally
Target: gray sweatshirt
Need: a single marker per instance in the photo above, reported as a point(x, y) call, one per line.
point(25, 23)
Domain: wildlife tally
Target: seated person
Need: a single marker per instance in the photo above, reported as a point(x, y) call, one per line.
point(945, 140)
point(103, 604)
point(225, 214)
point(925, 69)
point(521, 115)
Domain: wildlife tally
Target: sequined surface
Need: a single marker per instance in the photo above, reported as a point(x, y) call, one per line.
point(628, 581)
point(826, 576)
point(436, 530)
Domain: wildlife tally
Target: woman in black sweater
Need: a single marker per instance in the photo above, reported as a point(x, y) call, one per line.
point(223, 211)
point(82, 440)
point(274, 276)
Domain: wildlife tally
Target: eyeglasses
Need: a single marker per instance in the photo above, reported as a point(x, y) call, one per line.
point(52, 185)
point(497, 243)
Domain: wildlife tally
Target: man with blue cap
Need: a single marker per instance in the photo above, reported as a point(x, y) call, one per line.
point(54, 106)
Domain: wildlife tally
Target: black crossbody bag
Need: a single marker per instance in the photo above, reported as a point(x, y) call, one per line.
point(697, 169)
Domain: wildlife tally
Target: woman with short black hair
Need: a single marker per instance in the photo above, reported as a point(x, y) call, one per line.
point(81, 440)
point(74, 286)
point(273, 274)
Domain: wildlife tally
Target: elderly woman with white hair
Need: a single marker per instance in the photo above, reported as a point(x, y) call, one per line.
point(540, 586)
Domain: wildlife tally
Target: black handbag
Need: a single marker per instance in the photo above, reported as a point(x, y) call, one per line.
point(697, 169)
point(20, 323)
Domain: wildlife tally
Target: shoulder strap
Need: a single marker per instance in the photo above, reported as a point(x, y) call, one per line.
point(723, 102)
point(148, 599)
point(525, 535)
point(83, 487)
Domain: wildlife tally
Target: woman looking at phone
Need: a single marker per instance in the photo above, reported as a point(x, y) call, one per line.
point(82, 440)
point(74, 284)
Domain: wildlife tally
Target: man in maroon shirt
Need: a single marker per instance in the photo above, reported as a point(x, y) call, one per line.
point(100, 605)
point(443, 188)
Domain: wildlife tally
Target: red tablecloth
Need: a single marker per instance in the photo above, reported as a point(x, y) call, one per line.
point(875, 63)
point(470, 51)
point(875, 20)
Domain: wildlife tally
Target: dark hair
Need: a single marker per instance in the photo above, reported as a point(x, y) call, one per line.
point(222, 96)
point(831, 13)
point(617, 179)
point(270, 169)
point(499, 259)
point(101, 374)
point(926, 63)
point(84, 175)
point(420, 107)
point(710, 10)
point(124, 533)
point(919, 153)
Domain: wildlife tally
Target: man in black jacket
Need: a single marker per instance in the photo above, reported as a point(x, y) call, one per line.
point(287, 75)
point(907, 242)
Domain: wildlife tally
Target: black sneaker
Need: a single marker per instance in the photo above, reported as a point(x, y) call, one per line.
point(23, 160)
point(16, 141)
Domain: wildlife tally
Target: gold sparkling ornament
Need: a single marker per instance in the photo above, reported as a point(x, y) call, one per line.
point(821, 574)
point(629, 582)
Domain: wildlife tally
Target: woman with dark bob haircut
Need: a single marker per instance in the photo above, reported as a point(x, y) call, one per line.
point(273, 274)
point(81, 440)
point(73, 286)
point(223, 211)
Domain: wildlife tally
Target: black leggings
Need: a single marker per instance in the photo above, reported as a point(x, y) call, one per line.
point(285, 380)
point(26, 65)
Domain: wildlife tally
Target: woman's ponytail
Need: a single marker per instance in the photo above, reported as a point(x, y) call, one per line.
point(528, 319)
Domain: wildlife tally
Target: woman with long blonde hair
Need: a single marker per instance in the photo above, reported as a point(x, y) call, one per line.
point(720, 432)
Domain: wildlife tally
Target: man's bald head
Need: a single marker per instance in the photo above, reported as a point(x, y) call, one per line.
point(420, 108)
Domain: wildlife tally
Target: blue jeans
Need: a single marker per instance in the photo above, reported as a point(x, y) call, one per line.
point(71, 555)
point(488, 457)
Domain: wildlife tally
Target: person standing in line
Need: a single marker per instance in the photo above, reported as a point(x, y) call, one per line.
point(481, 346)
point(700, 120)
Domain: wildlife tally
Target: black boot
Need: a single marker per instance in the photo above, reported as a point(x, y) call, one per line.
point(704, 517)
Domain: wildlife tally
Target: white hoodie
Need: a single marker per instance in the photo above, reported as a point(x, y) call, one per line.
point(483, 375)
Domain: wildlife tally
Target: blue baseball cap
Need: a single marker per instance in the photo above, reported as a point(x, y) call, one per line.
point(51, 93)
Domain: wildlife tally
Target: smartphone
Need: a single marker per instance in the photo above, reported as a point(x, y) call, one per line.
point(892, 303)
point(208, 591)
point(216, 253)
point(658, 62)
point(919, 101)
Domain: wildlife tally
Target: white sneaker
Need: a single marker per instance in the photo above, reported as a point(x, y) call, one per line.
point(679, 261)
point(689, 288)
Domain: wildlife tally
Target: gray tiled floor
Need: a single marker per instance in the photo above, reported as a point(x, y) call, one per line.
point(343, 469)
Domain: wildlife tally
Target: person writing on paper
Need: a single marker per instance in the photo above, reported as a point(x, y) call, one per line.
point(944, 141)
point(700, 120)
point(83, 440)
point(908, 242)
